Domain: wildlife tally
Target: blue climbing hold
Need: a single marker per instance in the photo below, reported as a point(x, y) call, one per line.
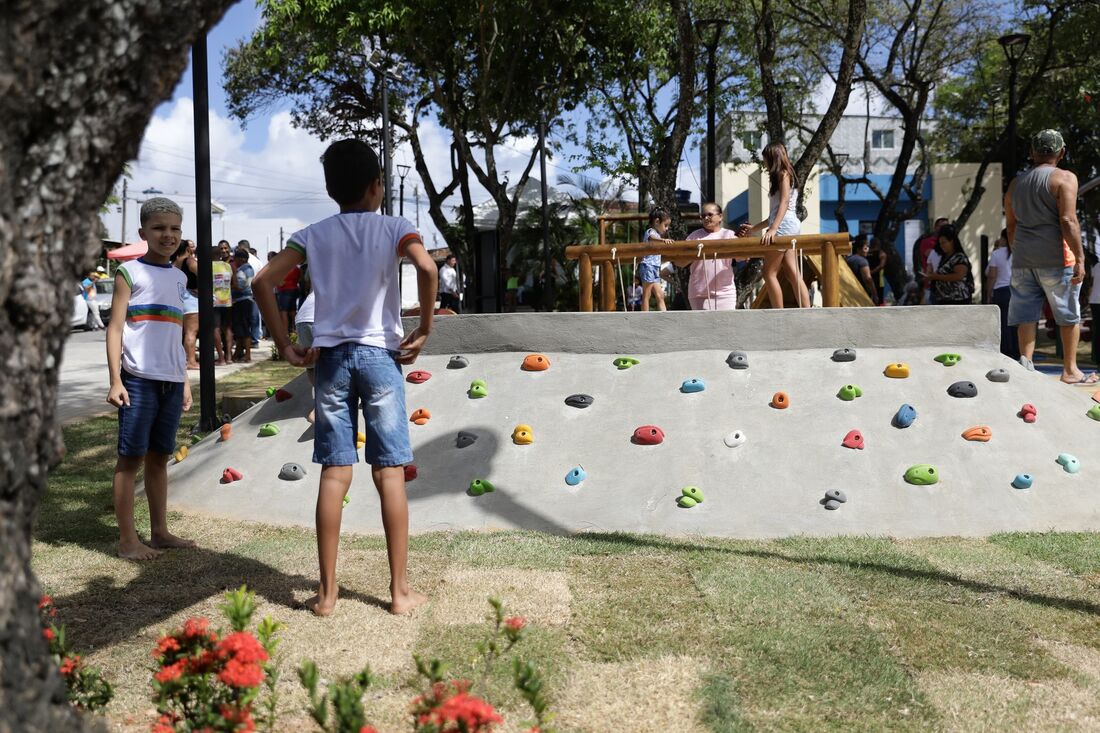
point(1069, 462)
point(905, 416)
point(692, 385)
point(1022, 481)
point(575, 476)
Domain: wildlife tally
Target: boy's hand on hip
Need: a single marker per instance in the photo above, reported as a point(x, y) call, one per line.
point(411, 346)
point(300, 356)
point(118, 396)
point(187, 401)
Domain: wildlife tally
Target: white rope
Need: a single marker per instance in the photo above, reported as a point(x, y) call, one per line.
point(622, 285)
point(801, 278)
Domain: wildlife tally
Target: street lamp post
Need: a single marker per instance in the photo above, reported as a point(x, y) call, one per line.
point(712, 70)
point(402, 171)
point(1014, 45)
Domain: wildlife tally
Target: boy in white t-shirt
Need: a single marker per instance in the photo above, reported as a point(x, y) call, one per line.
point(148, 371)
point(358, 347)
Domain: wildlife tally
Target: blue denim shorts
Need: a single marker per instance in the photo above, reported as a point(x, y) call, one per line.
point(150, 422)
point(347, 374)
point(1031, 286)
point(649, 273)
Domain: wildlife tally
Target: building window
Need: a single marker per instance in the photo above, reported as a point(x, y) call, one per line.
point(752, 140)
point(882, 139)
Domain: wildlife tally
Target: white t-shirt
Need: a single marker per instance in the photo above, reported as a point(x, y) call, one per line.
point(1094, 294)
point(152, 339)
point(1001, 258)
point(305, 313)
point(448, 280)
point(934, 260)
point(353, 260)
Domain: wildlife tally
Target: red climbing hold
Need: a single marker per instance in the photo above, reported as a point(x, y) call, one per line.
point(230, 475)
point(648, 435)
point(281, 395)
point(410, 472)
point(854, 439)
point(1028, 413)
point(418, 377)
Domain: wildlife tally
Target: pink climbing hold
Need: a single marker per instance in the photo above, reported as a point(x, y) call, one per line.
point(854, 439)
point(281, 395)
point(648, 435)
point(410, 472)
point(418, 377)
point(1028, 412)
point(230, 475)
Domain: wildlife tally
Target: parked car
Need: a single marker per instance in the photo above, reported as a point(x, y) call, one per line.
point(80, 311)
point(105, 290)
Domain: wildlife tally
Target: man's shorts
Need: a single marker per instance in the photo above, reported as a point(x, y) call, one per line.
point(347, 374)
point(287, 300)
point(190, 303)
point(149, 423)
point(649, 273)
point(1031, 286)
point(223, 317)
point(242, 318)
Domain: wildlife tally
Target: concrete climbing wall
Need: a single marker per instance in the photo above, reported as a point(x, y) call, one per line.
point(773, 480)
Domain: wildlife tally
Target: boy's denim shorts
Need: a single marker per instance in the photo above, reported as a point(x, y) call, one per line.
point(149, 424)
point(1031, 286)
point(347, 374)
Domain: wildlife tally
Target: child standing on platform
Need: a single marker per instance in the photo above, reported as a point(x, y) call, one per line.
point(148, 371)
point(358, 346)
point(650, 270)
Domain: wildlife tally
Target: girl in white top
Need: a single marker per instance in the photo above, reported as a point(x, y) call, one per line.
point(782, 221)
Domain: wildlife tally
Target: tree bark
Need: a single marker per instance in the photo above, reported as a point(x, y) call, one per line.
point(78, 83)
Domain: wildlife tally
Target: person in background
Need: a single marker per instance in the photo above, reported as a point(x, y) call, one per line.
point(634, 295)
point(243, 305)
point(448, 285)
point(88, 290)
point(1094, 305)
point(712, 284)
point(876, 258)
point(952, 280)
point(286, 298)
point(926, 246)
point(998, 291)
point(857, 261)
point(222, 274)
point(185, 260)
point(650, 270)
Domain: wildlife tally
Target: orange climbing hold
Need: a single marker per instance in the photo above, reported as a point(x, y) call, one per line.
point(1096, 396)
point(420, 416)
point(780, 401)
point(226, 431)
point(536, 363)
point(978, 434)
point(897, 370)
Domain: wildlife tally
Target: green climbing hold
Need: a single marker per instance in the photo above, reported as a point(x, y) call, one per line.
point(922, 474)
point(1094, 412)
point(693, 493)
point(198, 436)
point(686, 502)
point(480, 486)
point(625, 362)
point(849, 392)
point(270, 391)
point(347, 499)
point(478, 389)
point(268, 429)
point(949, 359)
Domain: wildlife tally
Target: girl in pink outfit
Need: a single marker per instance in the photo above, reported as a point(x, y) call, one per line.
point(712, 285)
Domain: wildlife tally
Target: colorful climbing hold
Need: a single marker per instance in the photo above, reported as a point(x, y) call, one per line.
point(347, 499)
point(844, 355)
point(831, 504)
point(648, 435)
point(181, 453)
point(898, 370)
point(686, 502)
point(418, 376)
point(997, 375)
point(854, 439)
point(625, 362)
point(195, 438)
point(948, 359)
point(478, 389)
point(1096, 396)
point(780, 401)
point(282, 395)
point(410, 473)
point(1022, 481)
point(692, 385)
point(360, 440)
point(963, 389)
point(575, 476)
point(922, 474)
point(420, 416)
point(226, 431)
point(738, 360)
point(693, 492)
point(480, 486)
point(1069, 462)
point(579, 400)
point(229, 475)
point(465, 439)
point(849, 392)
point(292, 472)
point(978, 434)
point(458, 362)
point(522, 435)
point(1094, 412)
point(835, 495)
point(905, 416)
point(734, 439)
point(535, 363)
point(270, 391)
point(1028, 412)
point(268, 429)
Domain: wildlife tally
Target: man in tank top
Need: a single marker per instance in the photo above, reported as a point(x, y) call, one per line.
point(1047, 259)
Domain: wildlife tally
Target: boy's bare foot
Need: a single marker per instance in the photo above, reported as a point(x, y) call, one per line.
point(402, 604)
point(166, 540)
point(321, 607)
point(136, 551)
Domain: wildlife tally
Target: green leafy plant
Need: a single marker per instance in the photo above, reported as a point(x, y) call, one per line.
point(85, 686)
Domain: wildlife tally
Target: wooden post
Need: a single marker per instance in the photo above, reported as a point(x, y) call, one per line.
point(603, 231)
point(830, 276)
point(607, 286)
point(586, 283)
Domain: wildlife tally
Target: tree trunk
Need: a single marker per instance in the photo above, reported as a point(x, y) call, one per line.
point(78, 83)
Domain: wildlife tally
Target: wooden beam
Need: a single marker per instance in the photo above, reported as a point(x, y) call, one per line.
point(830, 277)
point(737, 248)
point(586, 283)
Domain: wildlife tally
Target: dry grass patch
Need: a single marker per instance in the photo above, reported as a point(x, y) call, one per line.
point(643, 696)
point(1079, 658)
point(540, 595)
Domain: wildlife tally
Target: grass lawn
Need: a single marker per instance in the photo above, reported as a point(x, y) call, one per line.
point(637, 633)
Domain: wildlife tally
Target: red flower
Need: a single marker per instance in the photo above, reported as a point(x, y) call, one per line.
point(165, 645)
point(44, 601)
point(194, 628)
point(515, 623)
point(70, 664)
point(170, 673)
point(161, 727)
point(368, 729)
point(242, 646)
point(48, 634)
point(237, 674)
point(471, 712)
point(240, 717)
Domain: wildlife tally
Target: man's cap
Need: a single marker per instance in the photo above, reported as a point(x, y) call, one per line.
point(1047, 142)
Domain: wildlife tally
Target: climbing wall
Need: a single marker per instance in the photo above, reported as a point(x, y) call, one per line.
point(900, 422)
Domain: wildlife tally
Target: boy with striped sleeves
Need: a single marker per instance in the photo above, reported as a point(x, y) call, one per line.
point(148, 371)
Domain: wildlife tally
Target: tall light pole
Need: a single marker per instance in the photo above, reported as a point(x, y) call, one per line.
point(208, 418)
point(712, 70)
point(1014, 45)
point(402, 171)
point(547, 279)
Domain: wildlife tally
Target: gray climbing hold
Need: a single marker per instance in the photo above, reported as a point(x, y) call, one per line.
point(465, 439)
point(963, 389)
point(844, 355)
point(832, 505)
point(292, 472)
point(738, 360)
point(579, 400)
point(997, 375)
point(835, 495)
point(458, 362)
